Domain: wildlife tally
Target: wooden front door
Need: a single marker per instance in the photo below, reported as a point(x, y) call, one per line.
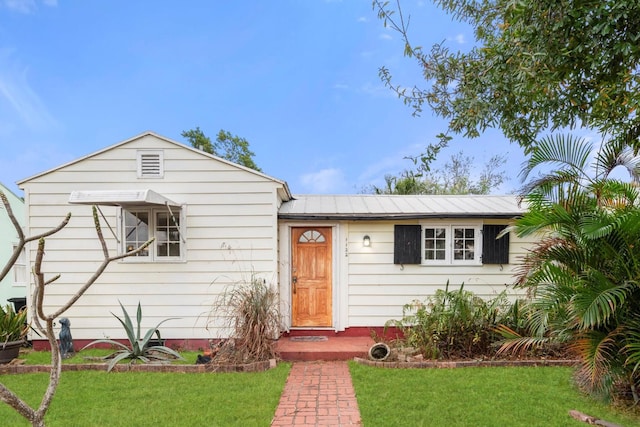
point(311, 276)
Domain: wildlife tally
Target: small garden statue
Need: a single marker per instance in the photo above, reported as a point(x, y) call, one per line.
point(66, 342)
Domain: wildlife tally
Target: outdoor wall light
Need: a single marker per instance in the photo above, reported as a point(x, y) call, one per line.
point(366, 241)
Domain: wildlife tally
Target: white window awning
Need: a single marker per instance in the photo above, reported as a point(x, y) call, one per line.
point(122, 198)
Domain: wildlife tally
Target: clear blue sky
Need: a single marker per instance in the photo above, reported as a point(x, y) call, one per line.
point(297, 78)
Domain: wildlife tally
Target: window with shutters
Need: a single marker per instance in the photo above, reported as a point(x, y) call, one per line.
point(451, 244)
point(150, 164)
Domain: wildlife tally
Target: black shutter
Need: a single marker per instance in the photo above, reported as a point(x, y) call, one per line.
point(407, 244)
point(494, 250)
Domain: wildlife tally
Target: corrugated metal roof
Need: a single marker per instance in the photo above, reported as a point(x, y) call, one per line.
point(366, 206)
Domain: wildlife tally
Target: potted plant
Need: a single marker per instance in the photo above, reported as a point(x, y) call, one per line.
point(13, 329)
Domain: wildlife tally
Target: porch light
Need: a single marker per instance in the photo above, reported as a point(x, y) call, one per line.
point(366, 241)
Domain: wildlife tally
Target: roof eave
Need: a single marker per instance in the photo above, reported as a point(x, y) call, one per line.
point(381, 217)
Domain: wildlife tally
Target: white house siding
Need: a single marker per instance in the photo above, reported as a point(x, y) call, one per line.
point(378, 288)
point(231, 233)
point(369, 289)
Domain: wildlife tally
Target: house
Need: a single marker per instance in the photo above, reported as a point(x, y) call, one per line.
point(14, 285)
point(342, 264)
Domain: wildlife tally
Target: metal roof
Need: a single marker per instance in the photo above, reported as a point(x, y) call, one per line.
point(365, 206)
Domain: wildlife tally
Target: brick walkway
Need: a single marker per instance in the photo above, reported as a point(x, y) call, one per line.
point(318, 394)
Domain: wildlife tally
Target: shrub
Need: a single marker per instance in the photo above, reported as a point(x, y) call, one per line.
point(452, 323)
point(13, 325)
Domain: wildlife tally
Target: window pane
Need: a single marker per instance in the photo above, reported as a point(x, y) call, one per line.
point(435, 243)
point(464, 244)
point(167, 235)
point(136, 228)
point(20, 268)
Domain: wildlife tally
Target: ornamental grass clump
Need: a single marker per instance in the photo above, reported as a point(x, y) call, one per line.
point(138, 348)
point(250, 312)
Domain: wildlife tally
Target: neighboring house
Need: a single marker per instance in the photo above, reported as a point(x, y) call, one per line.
point(341, 263)
point(14, 285)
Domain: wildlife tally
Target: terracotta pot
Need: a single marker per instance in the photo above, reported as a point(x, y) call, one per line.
point(10, 350)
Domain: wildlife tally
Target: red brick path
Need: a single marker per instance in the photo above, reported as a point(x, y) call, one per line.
point(318, 394)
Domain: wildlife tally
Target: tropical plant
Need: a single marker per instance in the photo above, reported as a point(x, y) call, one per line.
point(13, 325)
point(454, 323)
point(584, 270)
point(250, 312)
point(139, 348)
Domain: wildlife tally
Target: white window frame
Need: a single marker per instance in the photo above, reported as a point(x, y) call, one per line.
point(449, 243)
point(21, 263)
point(180, 215)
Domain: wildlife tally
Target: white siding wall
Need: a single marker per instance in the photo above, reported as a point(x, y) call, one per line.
point(370, 289)
point(231, 225)
point(378, 288)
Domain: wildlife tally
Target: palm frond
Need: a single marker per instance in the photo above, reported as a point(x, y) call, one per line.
point(566, 151)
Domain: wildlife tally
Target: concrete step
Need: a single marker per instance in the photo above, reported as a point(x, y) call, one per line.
point(311, 348)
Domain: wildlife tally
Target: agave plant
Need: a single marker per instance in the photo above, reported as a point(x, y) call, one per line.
point(138, 348)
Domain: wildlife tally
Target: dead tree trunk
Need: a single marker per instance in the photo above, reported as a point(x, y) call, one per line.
point(36, 415)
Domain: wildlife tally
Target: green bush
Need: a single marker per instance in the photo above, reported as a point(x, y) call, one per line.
point(13, 325)
point(453, 323)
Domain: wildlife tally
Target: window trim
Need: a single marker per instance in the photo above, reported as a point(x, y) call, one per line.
point(23, 265)
point(179, 213)
point(449, 242)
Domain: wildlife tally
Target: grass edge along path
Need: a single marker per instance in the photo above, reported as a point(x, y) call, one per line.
point(503, 396)
point(96, 398)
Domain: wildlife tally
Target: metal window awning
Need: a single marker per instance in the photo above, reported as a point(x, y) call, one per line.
point(122, 198)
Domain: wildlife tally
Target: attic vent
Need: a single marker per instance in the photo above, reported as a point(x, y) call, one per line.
point(150, 164)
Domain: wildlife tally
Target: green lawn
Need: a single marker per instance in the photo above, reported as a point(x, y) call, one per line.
point(96, 398)
point(391, 397)
point(475, 397)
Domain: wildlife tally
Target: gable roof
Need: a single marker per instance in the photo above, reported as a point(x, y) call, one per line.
point(285, 196)
point(370, 207)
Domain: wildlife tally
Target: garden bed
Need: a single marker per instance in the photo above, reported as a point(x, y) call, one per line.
point(127, 367)
point(465, 363)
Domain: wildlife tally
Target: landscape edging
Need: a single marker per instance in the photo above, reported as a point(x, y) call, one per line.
point(203, 368)
point(440, 364)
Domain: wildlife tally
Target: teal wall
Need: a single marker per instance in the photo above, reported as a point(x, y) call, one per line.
point(9, 237)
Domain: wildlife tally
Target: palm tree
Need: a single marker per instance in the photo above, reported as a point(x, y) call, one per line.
point(584, 272)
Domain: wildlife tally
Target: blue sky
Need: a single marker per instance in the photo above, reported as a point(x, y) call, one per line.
point(297, 78)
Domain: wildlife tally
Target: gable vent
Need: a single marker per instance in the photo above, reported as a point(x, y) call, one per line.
point(150, 164)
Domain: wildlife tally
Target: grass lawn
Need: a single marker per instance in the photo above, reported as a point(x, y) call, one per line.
point(96, 398)
point(476, 397)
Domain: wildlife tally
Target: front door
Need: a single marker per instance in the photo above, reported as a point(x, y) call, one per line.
point(311, 276)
